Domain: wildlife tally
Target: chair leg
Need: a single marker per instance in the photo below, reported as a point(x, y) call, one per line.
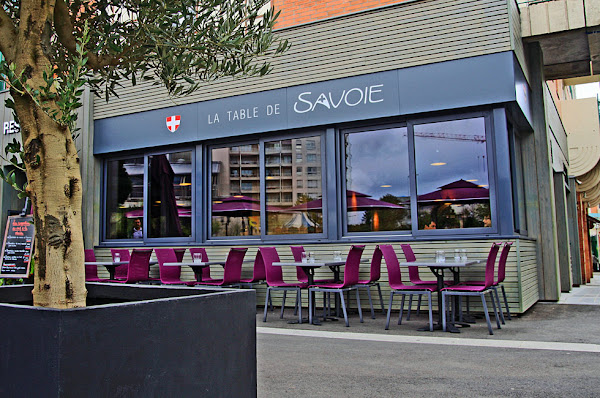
point(296, 306)
point(444, 310)
point(283, 304)
point(344, 308)
point(271, 303)
point(389, 311)
point(299, 307)
point(430, 311)
point(419, 305)
point(370, 300)
point(409, 307)
point(380, 298)
point(267, 301)
point(310, 307)
point(486, 313)
point(495, 308)
point(401, 309)
point(506, 303)
point(495, 292)
point(359, 308)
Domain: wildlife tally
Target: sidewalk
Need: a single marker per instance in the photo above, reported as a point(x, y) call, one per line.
point(588, 294)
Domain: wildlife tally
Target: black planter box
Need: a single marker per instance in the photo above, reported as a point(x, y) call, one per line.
point(131, 341)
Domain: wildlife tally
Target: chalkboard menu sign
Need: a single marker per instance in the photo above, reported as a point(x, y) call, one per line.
point(17, 247)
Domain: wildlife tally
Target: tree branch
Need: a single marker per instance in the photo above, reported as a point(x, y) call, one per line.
point(8, 36)
point(64, 31)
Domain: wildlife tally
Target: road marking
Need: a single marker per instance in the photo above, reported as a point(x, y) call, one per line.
point(453, 341)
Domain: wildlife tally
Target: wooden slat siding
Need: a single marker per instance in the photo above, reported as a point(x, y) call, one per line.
point(521, 282)
point(399, 36)
point(516, 35)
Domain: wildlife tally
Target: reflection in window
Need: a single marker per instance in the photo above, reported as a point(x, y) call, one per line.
point(170, 190)
point(452, 174)
point(284, 215)
point(377, 183)
point(235, 200)
point(124, 197)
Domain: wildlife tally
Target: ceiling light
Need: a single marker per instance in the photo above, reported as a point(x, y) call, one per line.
point(438, 164)
point(385, 186)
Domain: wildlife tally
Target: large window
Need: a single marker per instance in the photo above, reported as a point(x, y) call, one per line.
point(169, 199)
point(235, 191)
point(124, 198)
point(170, 195)
point(292, 206)
point(377, 180)
point(452, 174)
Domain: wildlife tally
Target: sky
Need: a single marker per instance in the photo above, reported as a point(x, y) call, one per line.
point(588, 90)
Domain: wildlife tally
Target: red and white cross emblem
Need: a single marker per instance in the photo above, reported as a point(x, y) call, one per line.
point(173, 123)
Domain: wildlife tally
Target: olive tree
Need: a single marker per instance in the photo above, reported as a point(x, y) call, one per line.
point(53, 48)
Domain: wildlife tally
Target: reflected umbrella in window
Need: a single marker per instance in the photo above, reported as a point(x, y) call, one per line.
point(237, 206)
point(459, 204)
point(164, 216)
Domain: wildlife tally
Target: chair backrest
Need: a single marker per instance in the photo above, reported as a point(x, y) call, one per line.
point(269, 255)
point(91, 271)
point(121, 270)
point(413, 272)
point(179, 253)
point(375, 273)
point(258, 272)
point(502, 261)
point(204, 257)
point(490, 264)
point(297, 253)
point(232, 272)
point(392, 264)
point(168, 274)
point(352, 266)
point(139, 265)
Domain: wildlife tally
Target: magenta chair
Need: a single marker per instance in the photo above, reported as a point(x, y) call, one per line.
point(91, 271)
point(258, 274)
point(476, 290)
point(204, 257)
point(501, 276)
point(232, 270)
point(138, 266)
point(121, 270)
point(170, 275)
point(274, 274)
point(374, 275)
point(395, 281)
point(414, 277)
point(351, 271)
point(300, 274)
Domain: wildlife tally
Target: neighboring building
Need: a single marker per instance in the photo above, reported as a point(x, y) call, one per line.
point(425, 121)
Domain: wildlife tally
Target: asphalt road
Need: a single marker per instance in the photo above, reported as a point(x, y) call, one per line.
point(353, 362)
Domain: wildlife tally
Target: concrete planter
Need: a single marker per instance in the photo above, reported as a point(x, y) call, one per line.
point(131, 341)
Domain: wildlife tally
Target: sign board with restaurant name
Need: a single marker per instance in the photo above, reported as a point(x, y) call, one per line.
point(17, 247)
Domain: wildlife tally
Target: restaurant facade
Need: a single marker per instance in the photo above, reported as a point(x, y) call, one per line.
point(424, 122)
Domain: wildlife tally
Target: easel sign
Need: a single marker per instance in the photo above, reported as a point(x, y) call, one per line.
point(17, 247)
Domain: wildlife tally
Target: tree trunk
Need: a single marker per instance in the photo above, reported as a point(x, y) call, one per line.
point(54, 187)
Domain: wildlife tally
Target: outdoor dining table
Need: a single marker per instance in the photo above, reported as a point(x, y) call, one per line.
point(197, 266)
point(109, 265)
point(309, 269)
point(438, 269)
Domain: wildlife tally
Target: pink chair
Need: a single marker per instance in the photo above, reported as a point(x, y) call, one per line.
point(258, 274)
point(274, 275)
point(138, 266)
point(395, 281)
point(414, 277)
point(501, 276)
point(121, 270)
point(91, 271)
point(171, 275)
point(204, 257)
point(351, 271)
point(476, 290)
point(232, 271)
point(374, 275)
